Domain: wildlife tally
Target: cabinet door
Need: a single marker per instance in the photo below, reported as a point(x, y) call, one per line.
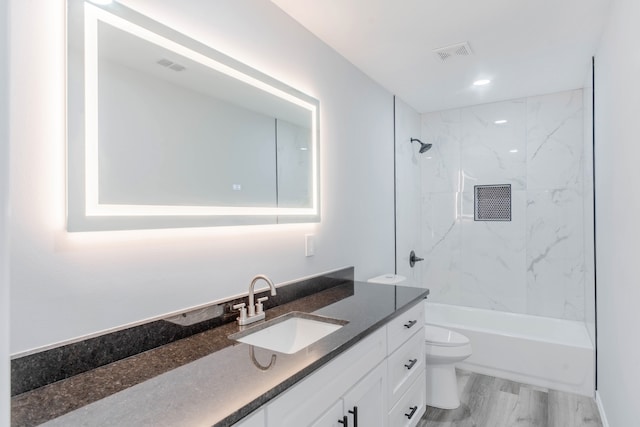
point(332, 417)
point(254, 420)
point(311, 398)
point(365, 404)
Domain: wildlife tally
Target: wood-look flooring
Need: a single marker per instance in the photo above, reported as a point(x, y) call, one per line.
point(494, 402)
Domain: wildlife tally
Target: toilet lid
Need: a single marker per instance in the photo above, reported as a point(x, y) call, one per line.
point(442, 336)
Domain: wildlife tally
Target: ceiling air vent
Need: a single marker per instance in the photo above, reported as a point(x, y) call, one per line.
point(170, 64)
point(459, 49)
point(176, 67)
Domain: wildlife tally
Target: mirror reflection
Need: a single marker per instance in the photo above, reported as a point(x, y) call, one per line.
point(175, 129)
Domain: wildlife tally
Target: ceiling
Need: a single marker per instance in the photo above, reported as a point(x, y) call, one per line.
point(525, 47)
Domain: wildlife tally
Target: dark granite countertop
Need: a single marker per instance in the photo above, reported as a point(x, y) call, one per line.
point(208, 379)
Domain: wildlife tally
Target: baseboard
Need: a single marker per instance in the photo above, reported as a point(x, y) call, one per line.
point(603, 416)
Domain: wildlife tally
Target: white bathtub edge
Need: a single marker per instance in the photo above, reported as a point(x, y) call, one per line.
point(603, 415)
point(583, 341)
point(564, 366)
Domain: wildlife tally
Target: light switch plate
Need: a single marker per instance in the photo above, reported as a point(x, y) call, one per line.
point(309, 245)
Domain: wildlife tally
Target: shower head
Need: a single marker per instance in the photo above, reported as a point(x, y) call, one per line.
point(423, 147)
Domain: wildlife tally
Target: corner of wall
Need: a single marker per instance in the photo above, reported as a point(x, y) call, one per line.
point(603, 415)
point(4, 208)
point(617, 202)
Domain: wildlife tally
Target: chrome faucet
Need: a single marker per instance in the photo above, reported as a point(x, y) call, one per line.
point(256, 311)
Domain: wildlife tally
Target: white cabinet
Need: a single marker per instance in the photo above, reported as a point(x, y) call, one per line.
point(403, 327)
point(332, 417)
point(406, 368)
point(379, 382)
point(256, 419)
point(408, 411)
point(307, 403)
point(363, 405)
point(405, 365)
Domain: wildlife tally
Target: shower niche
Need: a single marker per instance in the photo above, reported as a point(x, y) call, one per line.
point(492, 202)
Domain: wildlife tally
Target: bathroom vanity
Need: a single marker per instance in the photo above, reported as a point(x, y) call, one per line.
point(379, 379)
point(371, 368)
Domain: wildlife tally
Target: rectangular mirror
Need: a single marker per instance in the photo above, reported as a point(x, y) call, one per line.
point(164, 131)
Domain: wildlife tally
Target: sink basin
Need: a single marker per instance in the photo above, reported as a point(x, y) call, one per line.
point(289, 333)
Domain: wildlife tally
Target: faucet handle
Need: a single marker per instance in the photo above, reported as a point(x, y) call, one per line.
point(259, 308)
point(243, 311)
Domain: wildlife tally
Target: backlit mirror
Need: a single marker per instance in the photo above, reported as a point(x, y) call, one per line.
point(164, 131)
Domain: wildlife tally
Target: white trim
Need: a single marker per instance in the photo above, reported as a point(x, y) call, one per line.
point(603, 416)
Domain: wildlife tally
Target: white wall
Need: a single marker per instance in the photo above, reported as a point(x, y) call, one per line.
point(67, 285)
point(534, 263)
point(408, 193)
point(4, 212)
point(617, 175)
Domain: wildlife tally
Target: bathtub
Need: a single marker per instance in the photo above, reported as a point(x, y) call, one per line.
point(542, 351)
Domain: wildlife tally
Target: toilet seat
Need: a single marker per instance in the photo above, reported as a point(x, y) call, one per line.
point(444, 337)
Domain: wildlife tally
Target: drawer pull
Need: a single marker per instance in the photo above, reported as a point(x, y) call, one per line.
point(355, 416)
point(345, 421)
point(411, 363)
point(413, 411)
point(410, 324)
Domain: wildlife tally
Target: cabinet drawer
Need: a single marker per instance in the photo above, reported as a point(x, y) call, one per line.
point(404, 326)
point(411, 406)
point(404, 365)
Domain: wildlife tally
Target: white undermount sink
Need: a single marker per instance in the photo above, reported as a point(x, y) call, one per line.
point(289, 333)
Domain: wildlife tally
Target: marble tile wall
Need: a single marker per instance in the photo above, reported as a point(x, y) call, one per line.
point(535, 263)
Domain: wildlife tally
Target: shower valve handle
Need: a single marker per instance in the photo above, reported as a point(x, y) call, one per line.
point(413, 259)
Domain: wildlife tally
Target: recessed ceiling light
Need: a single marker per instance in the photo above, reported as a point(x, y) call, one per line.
point(101, 2)
point(513, 151)
point(481, 82)
point(500, 122)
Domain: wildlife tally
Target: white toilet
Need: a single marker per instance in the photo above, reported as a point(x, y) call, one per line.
point(443, 349)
